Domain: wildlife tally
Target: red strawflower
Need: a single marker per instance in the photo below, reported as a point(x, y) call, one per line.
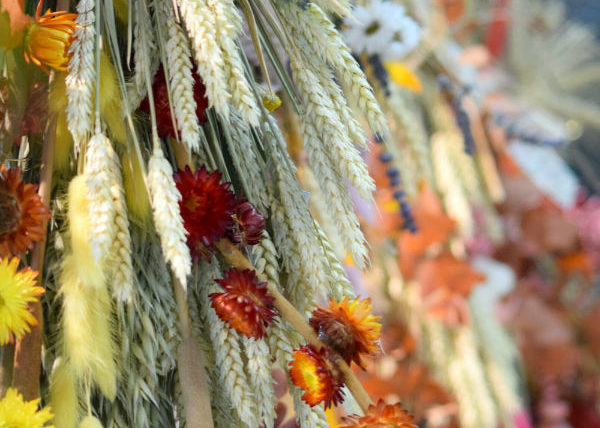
point(22, 214)
point(207, 208)
point(318, 377)
point(349, 328)
point(245, 305)
point(381, 416)
point(249, 224)
point(160, 93)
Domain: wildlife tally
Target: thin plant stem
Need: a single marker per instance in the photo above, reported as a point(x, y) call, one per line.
point(28, 351)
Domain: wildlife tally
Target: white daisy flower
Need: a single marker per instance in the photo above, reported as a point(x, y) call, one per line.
point(382, 28)
point(404, 40)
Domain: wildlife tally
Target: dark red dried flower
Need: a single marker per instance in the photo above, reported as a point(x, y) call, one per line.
point(207, 208)
point(245, 305)
point(164, 121)
point(249, 224)
point(318, 377)
point(349, 328)
point(22, 214)
point(381, 416)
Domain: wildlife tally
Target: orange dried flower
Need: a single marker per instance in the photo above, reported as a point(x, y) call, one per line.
point(245, 305)
point(381, 416)
point(22, 214)
point(349, 328)
point(314, 372)
point(49, 37)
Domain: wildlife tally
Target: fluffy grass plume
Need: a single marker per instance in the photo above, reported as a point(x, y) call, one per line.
point(79, 231)
point(57, 104)
point(136, 196)
point(63, 396)
point(111, 108)
point(88, 342)
point(90, 422)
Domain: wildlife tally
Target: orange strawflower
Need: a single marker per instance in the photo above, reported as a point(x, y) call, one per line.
point(22, 214)
point(349, 328)
point(48, 39)
point(314, 372)
point(381, 416)
point(245, 305)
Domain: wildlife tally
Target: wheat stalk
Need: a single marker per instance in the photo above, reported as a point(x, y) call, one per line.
point(335, 192)
point(339, 285)
point(167, 218)
point(180, 69)
point(81, 72)
point(228, 24)
point(200, 24)
point(327, 43)
point(144, 55)
point(120, 250)
point(343, 156)
point(101, 204)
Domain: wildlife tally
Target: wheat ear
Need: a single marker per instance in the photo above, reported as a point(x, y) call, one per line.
point(167, 218)
point(180, 74)
point(81, 72)
point(200, 24)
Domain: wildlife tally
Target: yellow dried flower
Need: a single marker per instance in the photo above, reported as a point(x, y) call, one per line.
point(48, 39)
point(271, 101)
point(14, 412)
point(17, 289)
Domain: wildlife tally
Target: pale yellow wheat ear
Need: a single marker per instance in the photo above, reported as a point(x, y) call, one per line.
point(179, 65)
point(201, 28)
point(101, 203)
point(119, 263)
point(167, 218)
point(81, 74)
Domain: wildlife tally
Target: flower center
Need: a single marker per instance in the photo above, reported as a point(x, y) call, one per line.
point(10, 213)
point(372, 28)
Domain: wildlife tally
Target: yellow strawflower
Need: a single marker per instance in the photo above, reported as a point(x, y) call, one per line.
point(17, 289)
point(16, 413)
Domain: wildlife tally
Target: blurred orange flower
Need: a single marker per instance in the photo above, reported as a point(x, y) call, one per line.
point(349, 328)
point(381, 416)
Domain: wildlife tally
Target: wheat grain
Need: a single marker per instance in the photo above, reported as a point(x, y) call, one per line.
point(81, 71)
point(200, 24)
point(167, 218)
